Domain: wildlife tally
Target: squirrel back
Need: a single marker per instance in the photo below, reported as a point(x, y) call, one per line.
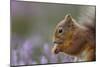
point(87, 18)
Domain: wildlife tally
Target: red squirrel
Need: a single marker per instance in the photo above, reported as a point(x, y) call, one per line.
point(74, 39)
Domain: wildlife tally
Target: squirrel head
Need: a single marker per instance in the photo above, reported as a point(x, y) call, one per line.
point(63, 35)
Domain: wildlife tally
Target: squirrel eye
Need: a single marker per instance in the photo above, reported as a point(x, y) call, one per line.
point(60, 30)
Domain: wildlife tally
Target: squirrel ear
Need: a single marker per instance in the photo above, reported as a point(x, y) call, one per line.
point(68, 18)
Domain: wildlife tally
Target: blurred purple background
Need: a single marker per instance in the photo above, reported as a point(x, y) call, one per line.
point(32, 26)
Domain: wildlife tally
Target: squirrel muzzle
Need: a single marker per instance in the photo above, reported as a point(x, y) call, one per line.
point(55, 49)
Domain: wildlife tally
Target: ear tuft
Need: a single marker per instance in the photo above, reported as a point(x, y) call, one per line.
point(68, 17)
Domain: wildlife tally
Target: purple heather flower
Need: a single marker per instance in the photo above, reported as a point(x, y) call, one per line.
point(43, 60)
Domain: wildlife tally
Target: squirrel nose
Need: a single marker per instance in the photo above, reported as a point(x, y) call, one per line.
point(54, 42)
point(57, 42)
